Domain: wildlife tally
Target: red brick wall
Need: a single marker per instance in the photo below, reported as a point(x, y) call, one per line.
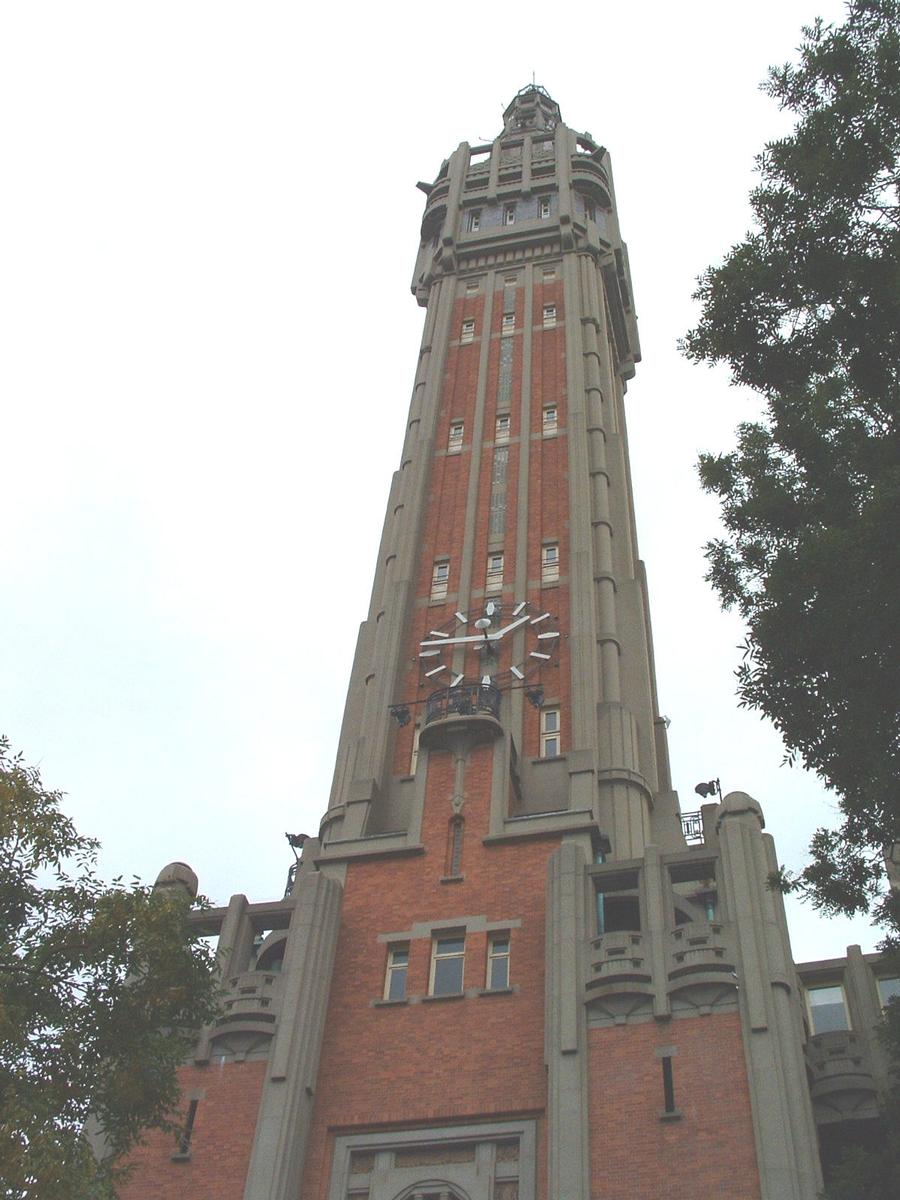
point(222, 1138)
point(709, 1153)
point(443, 1061)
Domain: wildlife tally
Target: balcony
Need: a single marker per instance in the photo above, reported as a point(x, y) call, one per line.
point(840, 1076)
point(470, 708)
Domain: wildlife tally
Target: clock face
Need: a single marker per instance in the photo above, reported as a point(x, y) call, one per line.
point(482, 636)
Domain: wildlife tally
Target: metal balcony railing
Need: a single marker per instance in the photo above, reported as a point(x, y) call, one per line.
point(464, 700)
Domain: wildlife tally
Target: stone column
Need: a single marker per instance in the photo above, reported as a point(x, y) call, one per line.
point(565, 1034)
point(285, 1111)
point(783, 1125)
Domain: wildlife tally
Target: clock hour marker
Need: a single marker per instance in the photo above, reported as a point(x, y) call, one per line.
point(515, 671)
point(461, 617)
point(519, 608)
point(541, 636)
point(428, 653)
point(542, 617)
point(443, 667)
point(457, 679)
point(485, 681)
point(534, 654)
point(437, 633)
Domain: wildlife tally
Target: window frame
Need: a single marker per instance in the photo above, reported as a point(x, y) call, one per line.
point(474, 221)
point(467, 332)
point(508, 323)
point(810, 1007)
point(493, 577)
point(549, 316)
point(549, 735)
point(455, 437)
point(550, 425)
point(502, 433)
point(440, 578)
point(550, 562)
point(509, 214)
point(392, 967)
point(544, 207)
point(493, 956)
point(436, 956)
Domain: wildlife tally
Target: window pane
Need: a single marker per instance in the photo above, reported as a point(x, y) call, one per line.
point(397, 987)
point(451, 945)
point(399, 958)
point(448, 976)
point(499, 972)
point(551, 721)
point(888, 989)
point(826, 1006)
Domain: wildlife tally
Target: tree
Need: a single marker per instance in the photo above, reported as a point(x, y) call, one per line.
point(806, 311)
point(100, 988)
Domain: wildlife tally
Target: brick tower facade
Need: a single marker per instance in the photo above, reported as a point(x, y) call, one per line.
point(501, 971)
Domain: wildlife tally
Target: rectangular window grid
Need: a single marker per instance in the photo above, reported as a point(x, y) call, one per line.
point(447, 965)
point(440, 576)
point(888, 989)
point(498, 962)
point(549, 316)
point(455, 440)
point(504, 382)
point(502, 427)
point(544, 207)
point(550, 733)
point(509, 214)
point(395, 977)
point(508, 324)
point(497, 517)
point(550, 562)
point(549, 423)
point(474, 220)
point(467, 333)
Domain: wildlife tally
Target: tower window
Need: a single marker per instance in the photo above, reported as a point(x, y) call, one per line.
point(467, 334)
point(474, 220)
point(827, 1009)
point(550, 562)
point(888, 989)
point(414, 752)
point(509, 214)
point(550, 733)
point(453, 866)
point(395, 976)
point(498, 961)
point(590, 211)
point(448, 956)
point(440, 576)
point(549, 274)
point(549, 316)
point(508, 324)
point(549, 422)
point(544, 207)
point(502, 428)
point(494, 578)
point(455, 440)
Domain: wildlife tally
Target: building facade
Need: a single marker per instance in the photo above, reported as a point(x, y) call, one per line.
point(509, 967)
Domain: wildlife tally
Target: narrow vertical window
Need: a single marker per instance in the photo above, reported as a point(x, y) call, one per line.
point(498, 961)
point(414, 753)
point(497, 517)
point(453, 865)
point(549, 316)
point(467, 333)
point(447, 965)
point(187, 1132)
point(455, 440)
point(550, 733)
point(590, 211)
point(474, 220)
point(668, 1085)
point(509, 214)
point(502, 427)
point(440, 576)
point(508, 324)
point(550, 420)
point(395, 977)
point(544, 207)
point(494, 575)
point(550, 562)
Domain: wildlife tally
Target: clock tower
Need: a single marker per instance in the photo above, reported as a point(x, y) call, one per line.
point(508, 967)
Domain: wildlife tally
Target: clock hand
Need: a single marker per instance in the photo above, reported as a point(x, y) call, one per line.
point(507, 628)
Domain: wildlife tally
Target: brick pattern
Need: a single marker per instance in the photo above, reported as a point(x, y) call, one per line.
point(221, 1142)
point(708, 1154)
point(443, 1061)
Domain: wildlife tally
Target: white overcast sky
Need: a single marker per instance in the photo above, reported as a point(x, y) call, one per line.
point(209, 227)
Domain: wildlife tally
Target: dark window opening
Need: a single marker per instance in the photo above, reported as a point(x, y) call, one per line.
point(668, 1085)
point(184, 1140)
point(616, 914)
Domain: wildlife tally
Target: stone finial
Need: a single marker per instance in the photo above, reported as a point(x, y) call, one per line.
point(177, 875)
point(735, 804)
